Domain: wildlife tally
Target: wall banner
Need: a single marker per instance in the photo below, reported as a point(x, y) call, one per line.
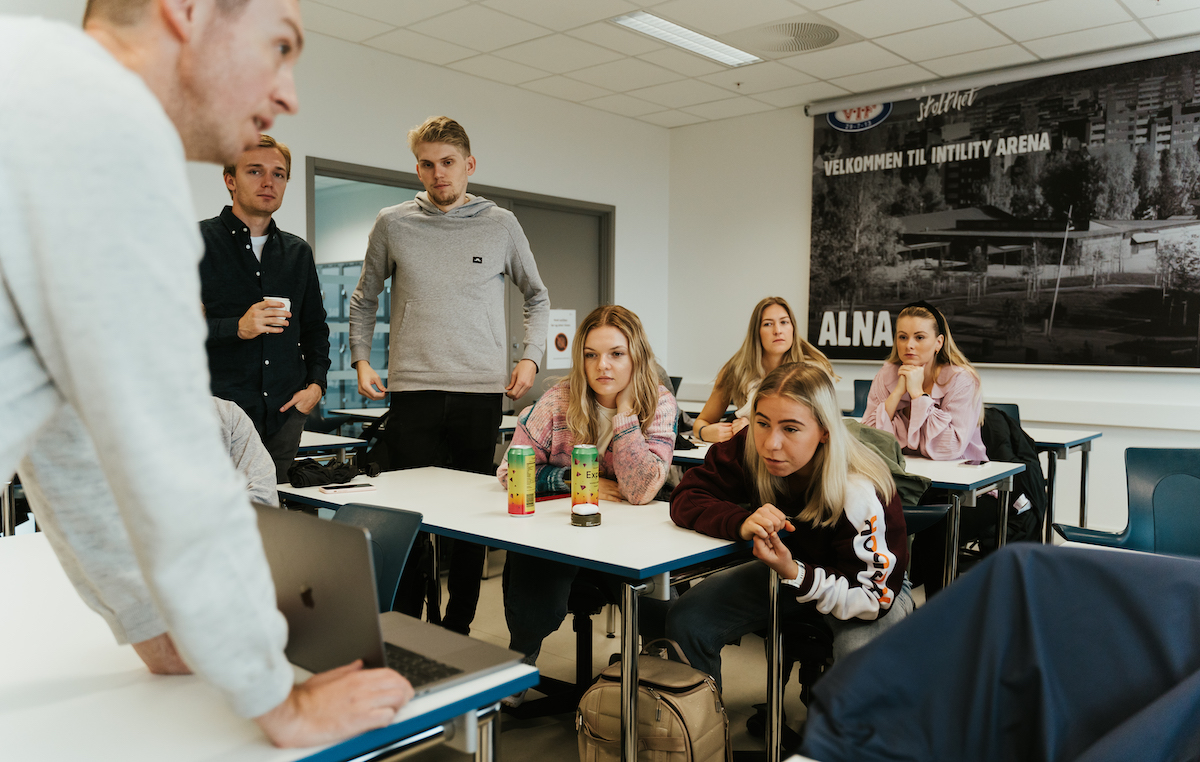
point(1053, 220)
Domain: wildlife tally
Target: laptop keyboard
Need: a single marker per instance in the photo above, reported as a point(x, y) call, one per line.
point(420, 670)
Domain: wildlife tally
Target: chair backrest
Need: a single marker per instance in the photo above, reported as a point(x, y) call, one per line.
point(1008, 408)
point(861, 387)
point(675, 382)
point(392, 534)
point(1164, 500)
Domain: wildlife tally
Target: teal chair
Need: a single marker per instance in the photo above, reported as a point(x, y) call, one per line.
point(1164, 505)
point(862, 386)
point(392, 533)
point(1008, 408)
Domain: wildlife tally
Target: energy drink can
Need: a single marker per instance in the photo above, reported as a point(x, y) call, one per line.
point(522, 479)
point(585, 486)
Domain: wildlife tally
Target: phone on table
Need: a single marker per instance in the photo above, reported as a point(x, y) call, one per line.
point(973, 463)
point(360, 487)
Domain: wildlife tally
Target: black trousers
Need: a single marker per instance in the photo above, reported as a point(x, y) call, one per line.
point(451, 430)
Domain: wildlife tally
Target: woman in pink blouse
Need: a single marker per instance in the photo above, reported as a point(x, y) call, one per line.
point(611, 399)
point(927, 393)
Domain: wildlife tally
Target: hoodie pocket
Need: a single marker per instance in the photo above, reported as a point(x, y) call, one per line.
point(448, 336)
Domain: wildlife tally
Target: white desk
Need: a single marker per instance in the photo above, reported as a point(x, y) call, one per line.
point(508, 423)
point(313, 442)
point(67, 691)
point(691, 457)
point(637, 542)
point(1060, 443)
point(965, 483)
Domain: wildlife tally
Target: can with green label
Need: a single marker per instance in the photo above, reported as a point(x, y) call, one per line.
point(585, 486)
point(522, 478)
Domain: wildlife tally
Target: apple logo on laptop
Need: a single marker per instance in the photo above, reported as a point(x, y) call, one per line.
point(306, 596)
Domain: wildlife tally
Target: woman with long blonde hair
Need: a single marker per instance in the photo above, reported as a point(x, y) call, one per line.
point(612, 399)
point(770, 341)
point(927, 393)
point(797, 469)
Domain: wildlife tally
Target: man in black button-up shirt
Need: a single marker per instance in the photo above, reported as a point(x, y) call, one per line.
point(268, 356)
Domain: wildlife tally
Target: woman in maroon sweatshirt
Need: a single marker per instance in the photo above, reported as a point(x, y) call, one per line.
point(794, 468)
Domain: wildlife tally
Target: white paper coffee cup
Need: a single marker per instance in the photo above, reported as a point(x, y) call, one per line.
point(287, 303)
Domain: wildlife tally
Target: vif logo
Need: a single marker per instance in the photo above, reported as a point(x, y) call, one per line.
point(477, 260)
point(859, 118)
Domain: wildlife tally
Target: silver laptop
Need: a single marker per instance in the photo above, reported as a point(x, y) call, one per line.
point(325, 586)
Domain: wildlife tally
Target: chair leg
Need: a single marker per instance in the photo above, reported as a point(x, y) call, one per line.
point(583, 650)
point(612, 620)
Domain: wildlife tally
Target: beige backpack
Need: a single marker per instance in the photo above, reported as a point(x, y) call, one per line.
point(681, 717)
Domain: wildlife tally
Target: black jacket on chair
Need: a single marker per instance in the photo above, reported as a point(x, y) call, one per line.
point(1005, 440)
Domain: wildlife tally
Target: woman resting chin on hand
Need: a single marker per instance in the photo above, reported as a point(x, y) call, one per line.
point(611, 399)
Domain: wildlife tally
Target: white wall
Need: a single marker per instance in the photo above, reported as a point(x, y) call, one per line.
point(740, 216)
point(357, 105)
point(740, 209)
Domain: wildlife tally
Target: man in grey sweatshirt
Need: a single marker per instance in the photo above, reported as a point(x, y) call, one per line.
point(104, 402)
point(448, 253)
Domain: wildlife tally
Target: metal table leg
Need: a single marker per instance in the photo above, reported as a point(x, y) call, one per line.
point(8, 509)
point(488, 748)
point(1051, 473)
point(629, 669)
point(1002, 519)
point(774, 676)
point(1083, 482)
point(952, 519)
point(435, 590)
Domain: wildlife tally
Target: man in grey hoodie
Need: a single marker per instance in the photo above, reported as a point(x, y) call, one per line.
point(448, 253)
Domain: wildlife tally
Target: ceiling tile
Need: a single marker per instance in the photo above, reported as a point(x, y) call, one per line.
point(982, 60)
point(490, 67)
point(558, 53)
point(412, 45)
point(820, 5)
point(732, 107)
point(758, 78)
point(796, 96)
point(671, 119)
point(683, 62)
point(1147, 8)
point(1115, 36)
point(884, 78)
point(567, 89)
point(1175, 24)
point(623, 105)
point(616, 38)
point(987, 6)
point(943, 40)
point(562, 14)
point(397, 12)
point(1030, 22)
point(720, 17)
point(626, 74)
point(872, 18)
point(340, 24)
point(854, 58)
point(480, 28)
point(688, 92)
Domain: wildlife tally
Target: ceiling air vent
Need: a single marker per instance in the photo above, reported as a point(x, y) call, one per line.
point(794, 37)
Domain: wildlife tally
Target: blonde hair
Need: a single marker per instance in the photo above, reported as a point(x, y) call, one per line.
point(833, 462)
point(439, 129)
point(583, 418)
point(746, 367)
point(266, 141)
point(130, 12)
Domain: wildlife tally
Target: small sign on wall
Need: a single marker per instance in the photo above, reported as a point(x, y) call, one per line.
point(559, 338)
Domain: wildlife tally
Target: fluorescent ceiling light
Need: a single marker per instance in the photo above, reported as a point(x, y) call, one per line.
point(673, 34)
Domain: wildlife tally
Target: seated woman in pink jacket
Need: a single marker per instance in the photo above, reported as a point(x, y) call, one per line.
point(611, 399)
point(927, 393)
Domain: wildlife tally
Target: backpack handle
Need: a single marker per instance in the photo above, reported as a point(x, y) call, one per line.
point(678, 651)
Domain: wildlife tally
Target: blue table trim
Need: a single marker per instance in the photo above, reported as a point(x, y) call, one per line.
point(629, 572)
point(963, 486)
point(376, 739)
